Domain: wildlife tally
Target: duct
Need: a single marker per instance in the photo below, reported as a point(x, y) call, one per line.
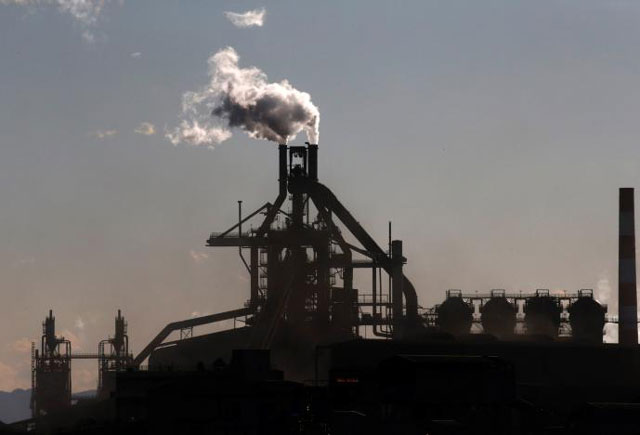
point(323, 196)
point(203, 320)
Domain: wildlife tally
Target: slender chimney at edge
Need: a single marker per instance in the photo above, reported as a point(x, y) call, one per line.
point(627, 298)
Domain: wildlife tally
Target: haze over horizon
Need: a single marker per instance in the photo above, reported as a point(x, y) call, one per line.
point(495, 136)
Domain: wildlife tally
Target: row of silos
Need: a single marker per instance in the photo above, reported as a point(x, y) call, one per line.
point(542, 315)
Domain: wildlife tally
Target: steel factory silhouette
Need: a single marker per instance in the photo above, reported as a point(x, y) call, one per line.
point(315, 350)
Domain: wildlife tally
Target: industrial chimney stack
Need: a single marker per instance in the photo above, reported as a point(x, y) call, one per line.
point(627, 299)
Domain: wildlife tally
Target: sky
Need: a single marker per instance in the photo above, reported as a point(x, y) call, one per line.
point(493, 134)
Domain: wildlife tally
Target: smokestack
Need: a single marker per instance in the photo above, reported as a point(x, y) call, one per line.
point(627, 299)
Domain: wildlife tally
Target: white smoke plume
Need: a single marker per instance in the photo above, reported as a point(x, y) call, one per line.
point(146, 129)
point(243, 98)
point(84, 12)
point(193, 133)
point(247, 19)
point(103, 134)
point(604, 294)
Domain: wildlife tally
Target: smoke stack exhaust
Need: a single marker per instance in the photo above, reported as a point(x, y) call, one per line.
point(627, 299)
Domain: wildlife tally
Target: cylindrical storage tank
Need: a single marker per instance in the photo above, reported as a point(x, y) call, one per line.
point(586, 317)
point(455, 316)
point(542, 316)
point(498, 317)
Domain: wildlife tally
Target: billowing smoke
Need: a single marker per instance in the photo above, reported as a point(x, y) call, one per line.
point(195, 134)
point(243, 98)
point(604, 294)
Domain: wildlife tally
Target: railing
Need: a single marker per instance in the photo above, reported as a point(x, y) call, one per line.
point(98, 356)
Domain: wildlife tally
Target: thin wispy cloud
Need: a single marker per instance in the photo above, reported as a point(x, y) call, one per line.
point(23, 262)
point(77, 340)
point(86, 13)
point(21, 345)
point(146, 129)
point(79, 324)
point(198, 257)
point(251, 18)
point(135, 54)
point(103, 134)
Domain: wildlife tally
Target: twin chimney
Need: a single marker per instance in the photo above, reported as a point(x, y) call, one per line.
point(627, 299)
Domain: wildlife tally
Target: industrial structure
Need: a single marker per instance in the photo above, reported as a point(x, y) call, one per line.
point(51, 371)
point(298, 361)
point(301, 270)
point(113, 357)
point(51, 366)
point(505, 315)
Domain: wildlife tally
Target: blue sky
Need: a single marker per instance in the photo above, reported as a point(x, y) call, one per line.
point(494, 134)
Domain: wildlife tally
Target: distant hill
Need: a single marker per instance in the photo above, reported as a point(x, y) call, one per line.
point(88, 394)
point(14, 405)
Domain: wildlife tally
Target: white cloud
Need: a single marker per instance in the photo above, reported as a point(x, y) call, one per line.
point(146, 128)
point(135, 54)
point(102, 134)
point(85, 12)
point(247, 19)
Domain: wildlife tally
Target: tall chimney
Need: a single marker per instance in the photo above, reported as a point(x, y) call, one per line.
point(627, 299)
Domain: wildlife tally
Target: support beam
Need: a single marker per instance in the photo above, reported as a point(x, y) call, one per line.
point(323, 197)
point(204, 320)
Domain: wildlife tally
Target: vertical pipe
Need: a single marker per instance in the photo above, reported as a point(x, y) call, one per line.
point(313, 162)
point(282, 168)
point(254, 276)
point(349, 294)
point(397, 287)
point(627, 298)
point(322, 290)
point(389, 252)
point(240, 221)
point(374, 298)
